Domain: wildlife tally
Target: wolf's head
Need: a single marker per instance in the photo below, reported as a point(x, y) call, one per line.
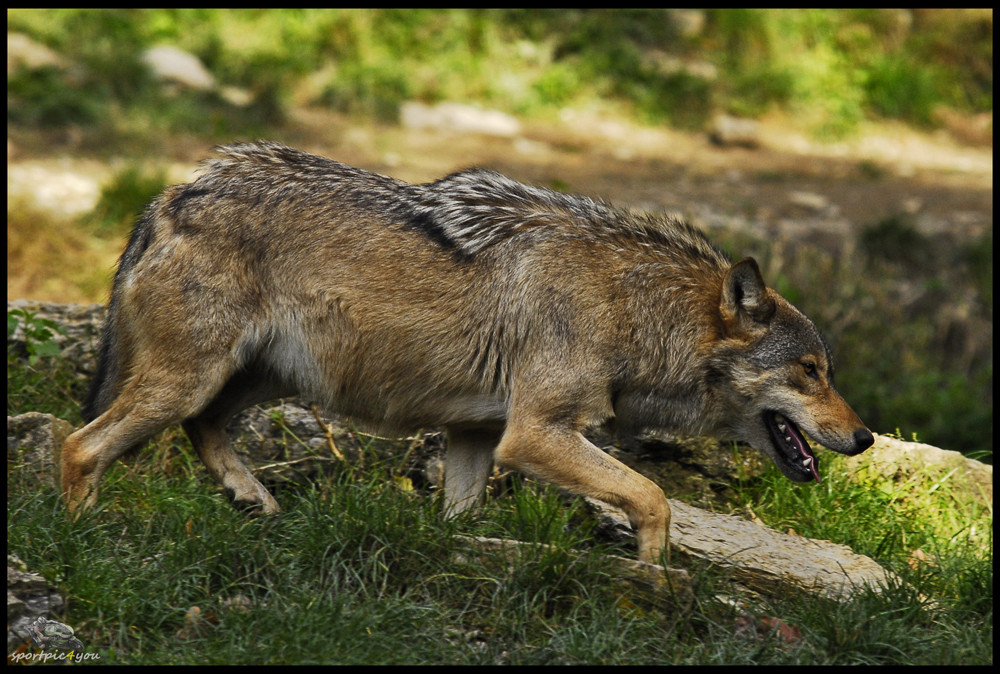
point(779, 374)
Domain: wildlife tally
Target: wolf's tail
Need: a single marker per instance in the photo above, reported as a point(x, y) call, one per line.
point(107, 380)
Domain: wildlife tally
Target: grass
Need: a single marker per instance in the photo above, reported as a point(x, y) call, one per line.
point(359, 568)
point(938, 541)
point(358, 553)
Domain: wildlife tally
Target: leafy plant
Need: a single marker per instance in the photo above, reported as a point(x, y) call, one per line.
point(38, 334)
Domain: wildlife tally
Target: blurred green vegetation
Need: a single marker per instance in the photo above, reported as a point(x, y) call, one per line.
point(123, 199)
point(829, 68)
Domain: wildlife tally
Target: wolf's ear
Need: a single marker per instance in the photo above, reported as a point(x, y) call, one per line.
point(744, 297)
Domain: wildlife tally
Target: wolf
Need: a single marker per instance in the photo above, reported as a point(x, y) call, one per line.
point(512, 316)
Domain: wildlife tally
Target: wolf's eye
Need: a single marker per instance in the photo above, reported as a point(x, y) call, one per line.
point(810, 368)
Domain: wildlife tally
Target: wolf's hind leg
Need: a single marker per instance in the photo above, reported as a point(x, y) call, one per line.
point(467, 466)
point(208, 436)
point(207, 433)
point(148, 403)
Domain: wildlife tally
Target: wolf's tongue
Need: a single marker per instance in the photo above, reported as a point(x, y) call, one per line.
point(794, 437)
point(806, 456)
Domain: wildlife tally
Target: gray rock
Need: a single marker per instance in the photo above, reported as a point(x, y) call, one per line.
point(729, 130)
point(898, 460)
point(458, 118)
point(755, 557)
point(24, 52)
point(34, 443)
point(768, 561)
point(809, 201)
point(29, 597)
point(171, 64)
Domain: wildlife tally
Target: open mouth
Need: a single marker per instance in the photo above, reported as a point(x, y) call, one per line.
point(794, 456)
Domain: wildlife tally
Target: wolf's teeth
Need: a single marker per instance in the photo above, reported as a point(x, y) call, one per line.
point(782, 427)
point(807, 462)
point(788, 438)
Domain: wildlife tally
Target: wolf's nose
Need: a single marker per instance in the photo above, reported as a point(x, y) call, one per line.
point(863, 439)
